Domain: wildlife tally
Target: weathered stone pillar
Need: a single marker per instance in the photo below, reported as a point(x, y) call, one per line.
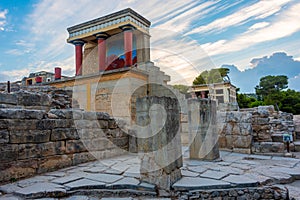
point(159, 140)
point(202, 129)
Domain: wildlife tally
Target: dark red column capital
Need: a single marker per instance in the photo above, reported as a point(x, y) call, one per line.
point(78, 56)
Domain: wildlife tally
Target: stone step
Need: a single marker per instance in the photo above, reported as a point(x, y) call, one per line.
point(298, 135)
point(297, 145)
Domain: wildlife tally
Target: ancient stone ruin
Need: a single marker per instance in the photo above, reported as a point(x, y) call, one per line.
point(121, 110)
point(256, 130)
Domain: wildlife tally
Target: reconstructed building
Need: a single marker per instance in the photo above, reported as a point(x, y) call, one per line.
point(221, 92)
point(42, 77)
point(112, 63)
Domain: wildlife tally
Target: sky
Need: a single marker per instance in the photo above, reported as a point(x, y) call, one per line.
point(253, 38)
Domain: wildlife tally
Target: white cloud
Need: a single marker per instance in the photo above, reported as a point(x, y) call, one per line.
point(3, 14)
point(259, 25)
point(183, 20)
point(3, 19)
point(49, 20)
point(285, 25)
point(15, 75)
point(259, 10)
point(16, 52)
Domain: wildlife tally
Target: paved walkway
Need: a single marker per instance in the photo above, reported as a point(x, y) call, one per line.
point(120, 176)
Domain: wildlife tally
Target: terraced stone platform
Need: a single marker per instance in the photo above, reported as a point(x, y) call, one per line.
point(119, 177)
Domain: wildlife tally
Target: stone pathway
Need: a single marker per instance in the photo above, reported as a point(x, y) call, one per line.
point(120, 177)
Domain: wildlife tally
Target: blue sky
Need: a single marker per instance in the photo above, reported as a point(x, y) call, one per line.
point(188, 36)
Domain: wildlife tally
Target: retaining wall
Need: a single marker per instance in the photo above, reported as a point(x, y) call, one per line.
point(34, 141)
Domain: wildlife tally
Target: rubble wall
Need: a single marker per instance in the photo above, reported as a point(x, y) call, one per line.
point(38, 98)
point(235, 131)
point(254, 130)
point(36, 141)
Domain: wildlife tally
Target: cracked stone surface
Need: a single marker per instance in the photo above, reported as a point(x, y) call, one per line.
point(122, 173)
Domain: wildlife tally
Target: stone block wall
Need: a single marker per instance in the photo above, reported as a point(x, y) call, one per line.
point(235, 131)
point(38, 98)
point(254, 130)
point(36, 141)
point(268, 129)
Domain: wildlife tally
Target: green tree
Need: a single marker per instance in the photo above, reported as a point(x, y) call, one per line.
point(247, 101)
point(212, 76)
point(271, 84)
point(271, 89)
point(182, 88)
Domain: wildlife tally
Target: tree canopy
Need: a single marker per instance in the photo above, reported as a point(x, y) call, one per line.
point(182, 88)
point(270, 91)
point(212, 76)
point(270, 84)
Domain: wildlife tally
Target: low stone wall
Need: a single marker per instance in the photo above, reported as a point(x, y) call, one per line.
point(235, 131)
point(39, 98)
point(268, 192)
point(254, 130)
point(268, 129)
point(34, 141)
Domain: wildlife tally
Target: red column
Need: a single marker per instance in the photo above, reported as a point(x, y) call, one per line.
point(101, 37)
point(128, 46)
point(203, 94)
point(57, 74)
point(78, 54)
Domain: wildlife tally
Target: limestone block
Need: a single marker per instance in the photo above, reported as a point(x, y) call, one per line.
point(29, 136)
point(20, 124)
point(261, 121)
point(4, 136)
point(3, 124)
point(64, 133)
point(75, 146)
point(242, 141)
point(202, 121)
point(86, 124)
point(96, 144)
point(26, 98)
point(52, 163)
point(264, 136)
point(51, 148)
point(21, 114)
point(267, 147)
point(161, 157)
point(27, 151)
point(92, 133)
point(8, 152)
point(121, 142)
point(63, 123)
point(18, 170)
point(233, 116)
point(116, 133)
point(245, 129)
point(242, 150)
point(8, 99)
point(58, 112)
point(78, 158)
point(222, 141)
point(46, 124)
